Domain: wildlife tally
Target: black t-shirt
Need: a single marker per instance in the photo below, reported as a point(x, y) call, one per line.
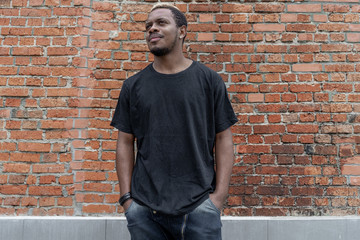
point(175, 118)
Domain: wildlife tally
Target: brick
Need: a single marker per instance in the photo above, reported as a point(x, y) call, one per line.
point(338, 87)
point(34, 147)
point(8, 70)
point(5, 113)
point(243, 8)
point(338, 191)
point(254, 149)
point(339, 68)
point(10, 41)
point(45, 190)
point(336, 8)
point(307, 67)
point(50, 103)
point(354, 27)
point(276, 191)
point(274, 68)
point(272, 170)
point(16, 167)
point(220, 18)
point(238, 49)
point(266, 7)
point(301, 28)
point(334, 27)
point(256, 18)
point(13, 189)
point(9, 12)
point(350, 170)
point(28, 201)
point(98, 209)
point(90, 176)
point(68, 11)
point(287, 17)
point(305, 88)
point(354, 181)
point(262, 129)
point(271, 49)
point(26, 135)
point(13, 124)
point(16, 31)
point(269, 27)
point(47, 179)
point(307, 191)
point(304, 8)
point(63, 92)
point(48, 168)
point(298, 128)
point(256, 98)
point(351, 160)
point(335, 48)
point(34, 71)
point(5, 3)
point(100, 6)
point(48, 31)
point(205, 37)
point(290, 149)
point(204, 8)
point(305, 49)
point(66, 201)
point(60, 51)
point(97, 187)
point(35, 12)
point(35, 2)
point(46, 202)
point(89, 198)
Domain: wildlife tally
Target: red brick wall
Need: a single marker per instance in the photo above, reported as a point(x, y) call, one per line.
point(292, 70)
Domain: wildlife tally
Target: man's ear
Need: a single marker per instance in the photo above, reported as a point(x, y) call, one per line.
point(183, 32)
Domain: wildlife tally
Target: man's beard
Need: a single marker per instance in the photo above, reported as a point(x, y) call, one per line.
point(159, 52)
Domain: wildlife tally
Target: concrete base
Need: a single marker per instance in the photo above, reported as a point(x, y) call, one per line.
point(234, 228)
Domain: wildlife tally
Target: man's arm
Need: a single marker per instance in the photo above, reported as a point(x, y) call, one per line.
point(224, 157)
point(125, 163)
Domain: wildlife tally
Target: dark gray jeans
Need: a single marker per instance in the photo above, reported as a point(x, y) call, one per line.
point(203, 223)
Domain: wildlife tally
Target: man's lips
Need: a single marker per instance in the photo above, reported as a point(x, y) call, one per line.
point(154, 38)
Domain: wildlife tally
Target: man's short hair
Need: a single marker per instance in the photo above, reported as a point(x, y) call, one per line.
point(179, 17)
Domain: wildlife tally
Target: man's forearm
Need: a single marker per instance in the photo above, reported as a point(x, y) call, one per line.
point(124, 161)
point(224, 157)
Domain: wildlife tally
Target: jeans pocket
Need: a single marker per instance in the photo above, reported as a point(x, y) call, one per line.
point(214, 207)
point(129, 208)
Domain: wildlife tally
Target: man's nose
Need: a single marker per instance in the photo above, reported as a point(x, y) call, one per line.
point(153, 28)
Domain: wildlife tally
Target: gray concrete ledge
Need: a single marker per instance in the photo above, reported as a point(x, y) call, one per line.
point(234, 228)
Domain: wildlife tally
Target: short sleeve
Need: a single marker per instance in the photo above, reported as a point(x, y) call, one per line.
point(224, 113)
point(121, 118)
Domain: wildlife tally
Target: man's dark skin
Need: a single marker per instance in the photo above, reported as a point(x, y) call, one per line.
point(163, 33)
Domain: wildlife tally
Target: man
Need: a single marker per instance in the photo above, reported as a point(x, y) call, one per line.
point(178, 111)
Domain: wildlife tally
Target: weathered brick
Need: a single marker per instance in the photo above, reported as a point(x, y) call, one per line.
point(267, 7)
point(230, 8)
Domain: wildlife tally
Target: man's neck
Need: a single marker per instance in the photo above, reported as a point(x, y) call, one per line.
point(171, 63)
